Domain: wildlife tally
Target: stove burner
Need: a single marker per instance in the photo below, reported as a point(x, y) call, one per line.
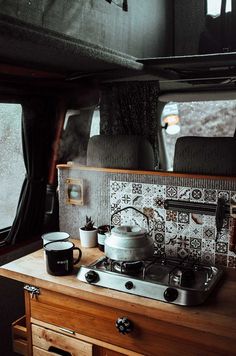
point(130, 268)
point(183, 277)
point(182, 282)
point(188, 278)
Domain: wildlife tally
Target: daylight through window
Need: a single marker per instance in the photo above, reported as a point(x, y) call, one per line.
point(214, 7)
point(202, 118)
point(12, 170)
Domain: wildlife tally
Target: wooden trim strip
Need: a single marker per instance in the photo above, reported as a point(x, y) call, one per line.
point(150, 173)
point(28, 324)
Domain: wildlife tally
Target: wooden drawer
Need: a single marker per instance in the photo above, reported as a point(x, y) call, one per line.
point(40, 352)
point(19, 336)
point(149, 337)
point(97, 352)
point(48, 342)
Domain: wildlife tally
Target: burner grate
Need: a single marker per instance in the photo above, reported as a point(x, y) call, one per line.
point(189, 281)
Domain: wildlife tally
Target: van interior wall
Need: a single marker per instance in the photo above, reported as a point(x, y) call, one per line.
point(189, 23)
point(144, 31)
point(11, 308)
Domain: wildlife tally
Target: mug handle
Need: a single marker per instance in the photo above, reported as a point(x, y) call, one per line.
point(79, 257)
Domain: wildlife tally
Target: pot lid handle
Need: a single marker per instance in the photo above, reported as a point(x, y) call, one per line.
point(131, 207)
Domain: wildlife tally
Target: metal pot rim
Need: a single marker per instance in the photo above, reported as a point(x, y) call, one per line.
point(129, 231)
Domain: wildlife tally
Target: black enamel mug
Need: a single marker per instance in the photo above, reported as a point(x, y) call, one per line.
point(60, 257)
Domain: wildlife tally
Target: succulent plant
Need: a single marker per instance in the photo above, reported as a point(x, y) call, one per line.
point(89, 225)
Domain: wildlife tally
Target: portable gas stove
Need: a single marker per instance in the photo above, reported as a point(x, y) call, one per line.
point(181, 282)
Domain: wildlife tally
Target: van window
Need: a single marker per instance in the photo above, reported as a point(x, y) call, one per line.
point(12, 171)
point(79, 126)
point(95, 124)
point(201, 118)
point(214, 7)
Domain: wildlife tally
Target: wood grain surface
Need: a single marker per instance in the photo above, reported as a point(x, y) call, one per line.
point(131, 171)
point(214, 320)
point(48, 340)
point(148, 337)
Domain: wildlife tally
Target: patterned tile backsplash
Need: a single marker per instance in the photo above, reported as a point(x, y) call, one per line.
point(176, 234)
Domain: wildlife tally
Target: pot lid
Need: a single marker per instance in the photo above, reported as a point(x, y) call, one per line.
point(128, 230)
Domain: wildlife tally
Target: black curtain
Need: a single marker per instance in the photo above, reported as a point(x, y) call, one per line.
point(38, 116)
point(131, 108)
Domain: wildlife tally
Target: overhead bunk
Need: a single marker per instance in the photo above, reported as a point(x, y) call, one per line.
point(30, 46)
point(85, 38)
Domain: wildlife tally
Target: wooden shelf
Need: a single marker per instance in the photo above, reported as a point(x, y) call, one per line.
point(19, 336)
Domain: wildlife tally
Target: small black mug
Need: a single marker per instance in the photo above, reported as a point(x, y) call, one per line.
point(59, 257)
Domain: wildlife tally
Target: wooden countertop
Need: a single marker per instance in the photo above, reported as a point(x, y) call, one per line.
point(216, 315)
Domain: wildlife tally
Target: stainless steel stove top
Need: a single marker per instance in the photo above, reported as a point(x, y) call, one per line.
point(174, 281)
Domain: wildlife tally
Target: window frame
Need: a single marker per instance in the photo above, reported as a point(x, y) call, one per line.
point(17, 101)
point(207, 3)
point(194, 96)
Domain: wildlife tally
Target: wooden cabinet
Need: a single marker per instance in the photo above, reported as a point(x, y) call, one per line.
point(19, 336)
point(54, 315)
point(62, 325)
point(46, 340)
point(87, 314)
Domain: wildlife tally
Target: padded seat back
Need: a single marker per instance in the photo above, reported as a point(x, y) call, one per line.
point(205, 155)
point(120, 151)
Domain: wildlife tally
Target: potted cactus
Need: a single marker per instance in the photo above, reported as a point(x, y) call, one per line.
point(88, 233)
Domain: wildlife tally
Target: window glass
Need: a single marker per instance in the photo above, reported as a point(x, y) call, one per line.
point(79, 126)
point(95, 124)
point(214, 7)
point(202, 118)
point(12, 170)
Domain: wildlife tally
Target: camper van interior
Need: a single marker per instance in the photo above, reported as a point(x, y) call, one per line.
point(117, 180)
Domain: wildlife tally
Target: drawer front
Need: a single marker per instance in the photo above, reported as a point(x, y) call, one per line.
point(50, 341)
point(149, 336)
point(40, 352)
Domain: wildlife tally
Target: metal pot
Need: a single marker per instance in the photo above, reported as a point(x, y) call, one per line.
point(129, 243)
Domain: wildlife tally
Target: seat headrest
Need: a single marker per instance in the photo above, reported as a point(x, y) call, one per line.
point(120, 151)
point(205, 155)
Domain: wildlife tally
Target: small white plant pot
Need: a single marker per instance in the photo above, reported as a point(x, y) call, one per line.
point(88, 238)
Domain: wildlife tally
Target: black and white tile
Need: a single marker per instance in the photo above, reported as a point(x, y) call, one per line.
point(183, 217)
point(195, 244)
point(221, 247)
point(233, 197)
point(171, 192)
point(184, 193)
point(197, 194)
point(209, 232)
point(196, 231)
point(176, 234)
point(210, 195)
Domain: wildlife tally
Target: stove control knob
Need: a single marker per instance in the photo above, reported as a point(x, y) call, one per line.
point(91, 276)
point(124, 325)
point(170, 294)
point(129, 285)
